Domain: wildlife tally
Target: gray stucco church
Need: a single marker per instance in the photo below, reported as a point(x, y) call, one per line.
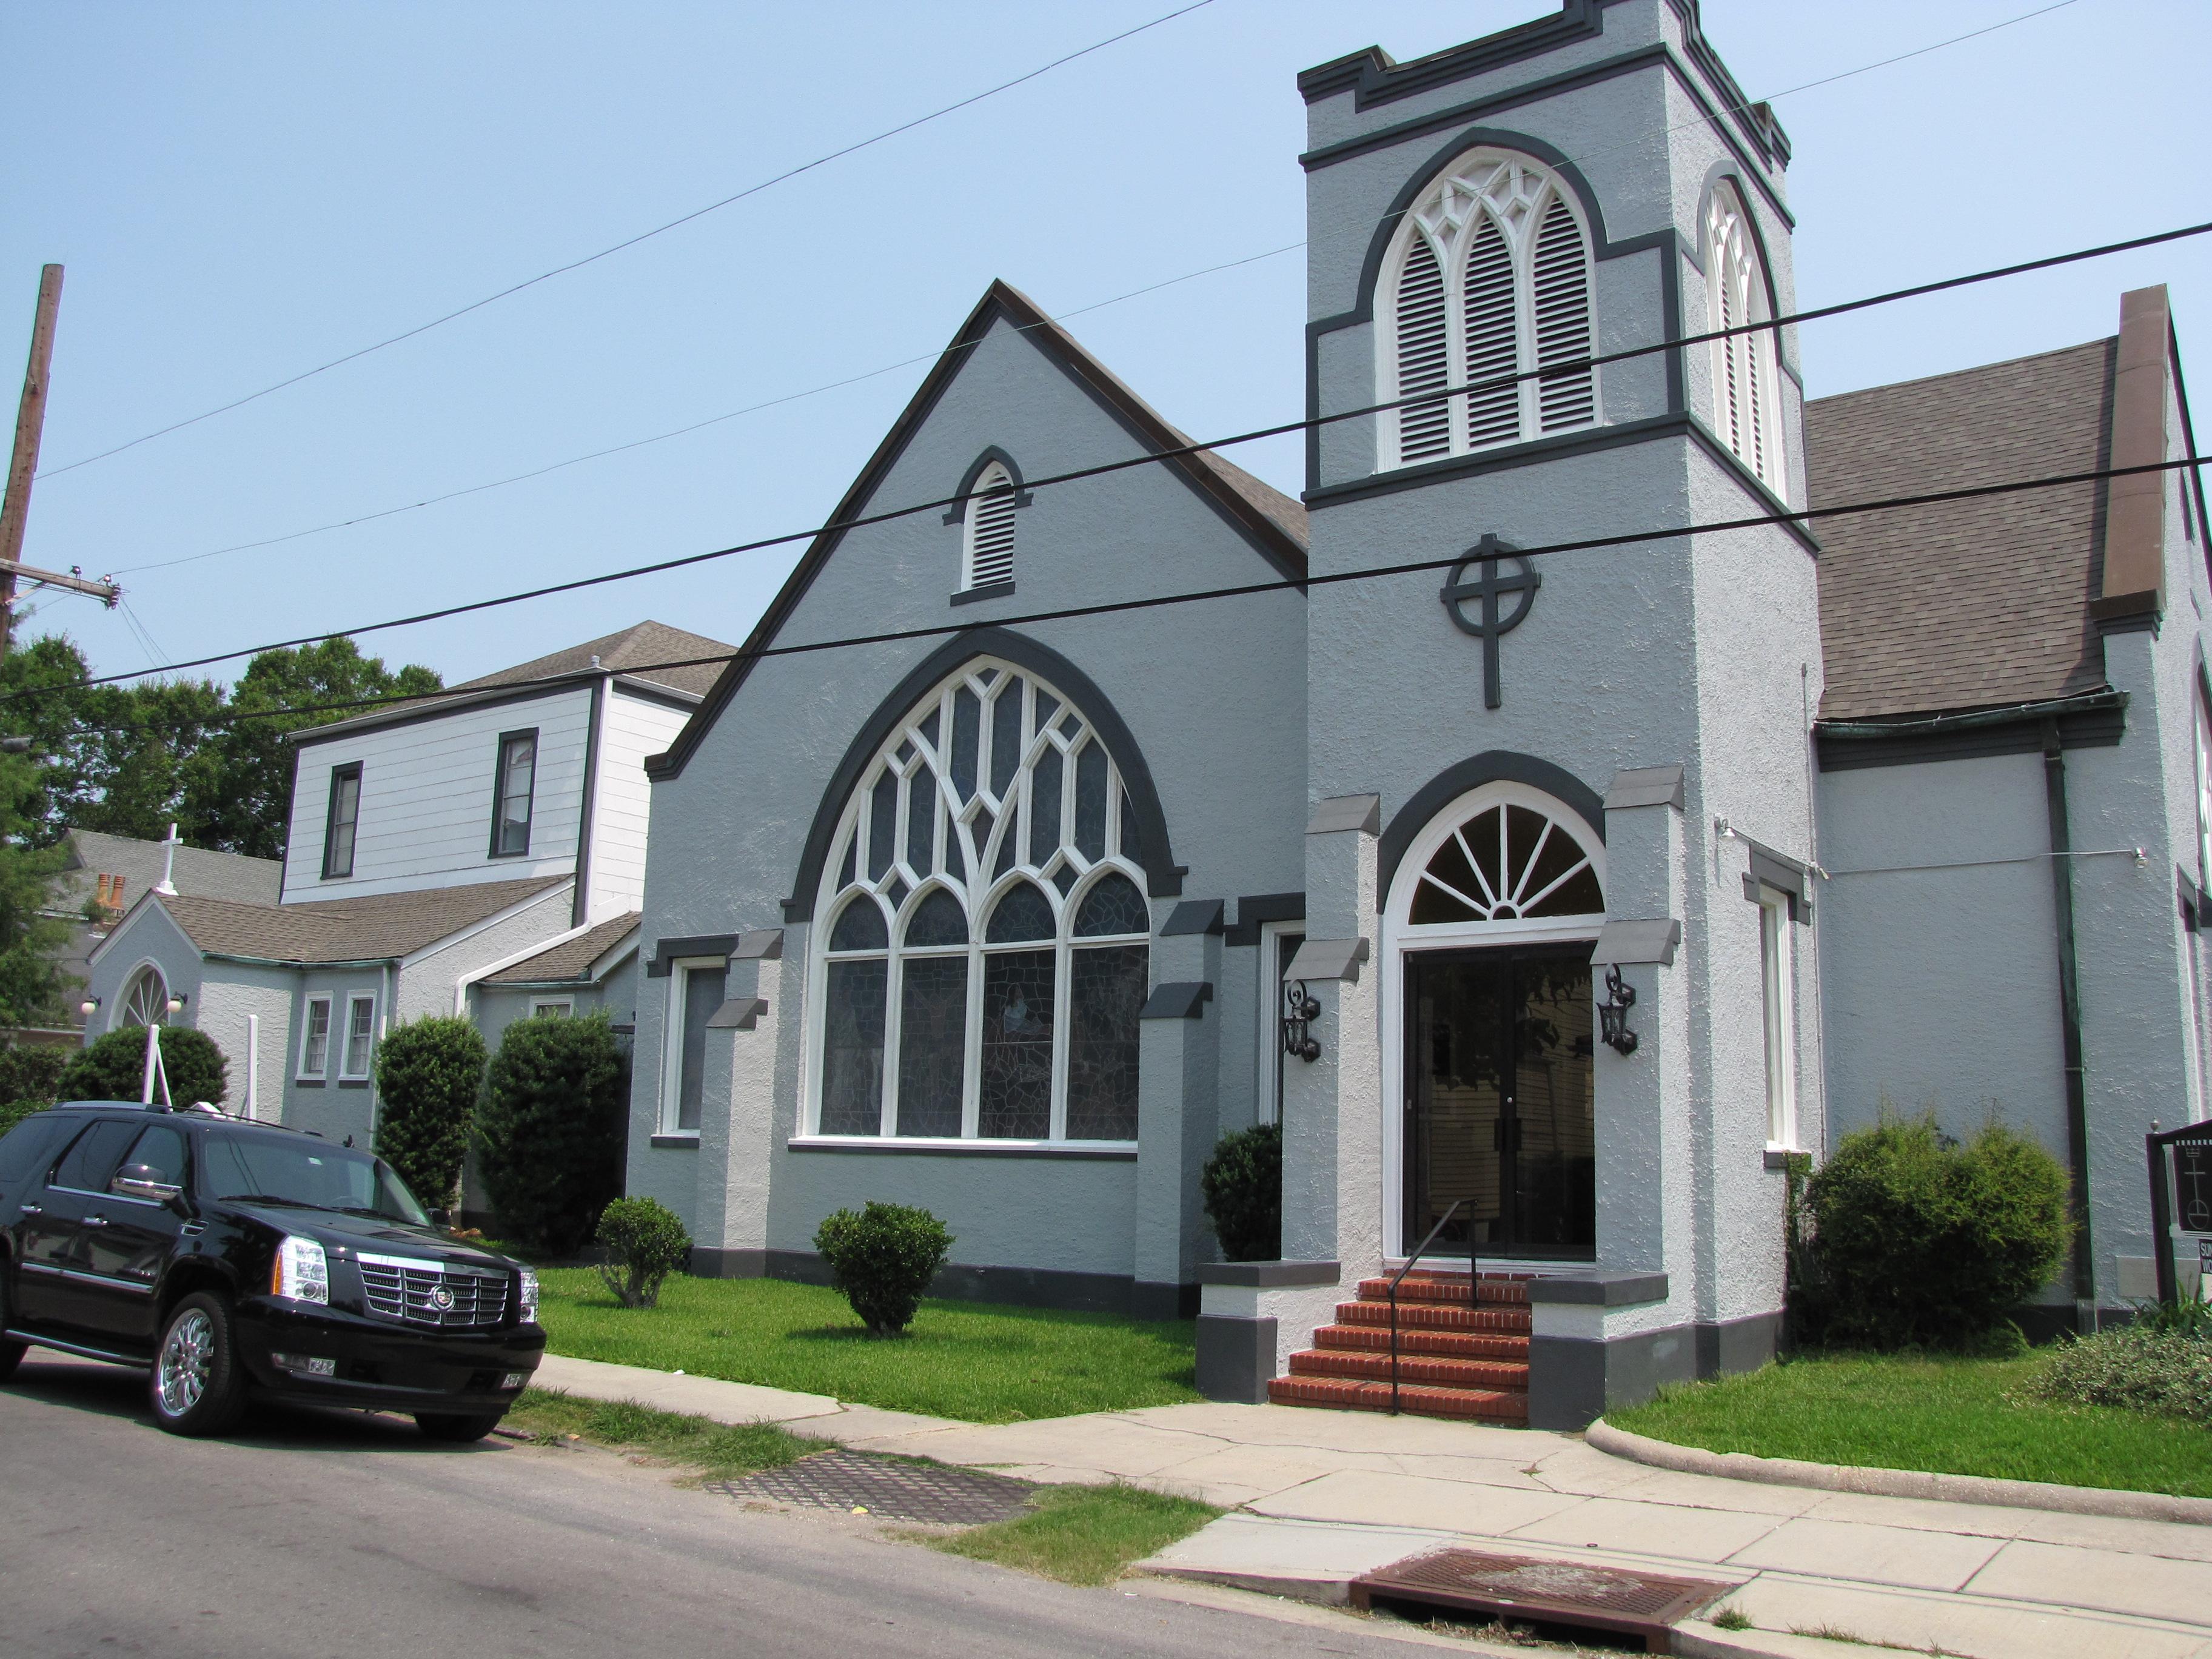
point(1602, 875)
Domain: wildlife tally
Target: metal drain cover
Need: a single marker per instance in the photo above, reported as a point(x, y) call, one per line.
point(1545, 1592)
point(897, 1492)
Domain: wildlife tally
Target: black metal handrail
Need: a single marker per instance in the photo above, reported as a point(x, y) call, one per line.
point(1442, 1222)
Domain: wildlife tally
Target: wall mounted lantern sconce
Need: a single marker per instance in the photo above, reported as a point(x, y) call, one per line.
point(1299, 1012)
point(87, 1006)
point(1613, 1013)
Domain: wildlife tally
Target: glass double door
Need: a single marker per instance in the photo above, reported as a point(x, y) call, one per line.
point(1500, 1090)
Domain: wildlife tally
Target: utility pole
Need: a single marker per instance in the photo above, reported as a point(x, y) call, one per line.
point(15, 508)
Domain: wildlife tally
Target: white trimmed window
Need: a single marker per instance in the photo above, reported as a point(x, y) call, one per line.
point(553, 1007)
point(987, 551)
point(698, 987)
point(1491, 278)
point(1746, 381)
point(360, 1037)
point(315, 1039)
point(1777, 967)
point(145, 1001)
point(2203, 791)
point(986, 933)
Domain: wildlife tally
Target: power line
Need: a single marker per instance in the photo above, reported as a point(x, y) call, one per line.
point(1552, 371)
point(1158, 601)
point(627, 242)
point(695, 426)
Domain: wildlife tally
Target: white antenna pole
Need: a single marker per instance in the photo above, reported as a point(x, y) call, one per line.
point(168, 887)
point(253, 1066)
point(153, 1061)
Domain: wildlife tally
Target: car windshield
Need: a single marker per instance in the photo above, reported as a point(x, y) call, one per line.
point(263, 1169)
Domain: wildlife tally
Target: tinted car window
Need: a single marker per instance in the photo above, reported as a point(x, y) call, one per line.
point(162, 1148)
point(29, 1144)
point(309, 1173)
point(98, 1151)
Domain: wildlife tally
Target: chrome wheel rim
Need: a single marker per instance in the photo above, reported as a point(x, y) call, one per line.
point(186, 1354)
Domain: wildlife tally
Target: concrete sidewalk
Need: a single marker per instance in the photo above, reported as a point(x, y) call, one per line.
point(1318, 1497)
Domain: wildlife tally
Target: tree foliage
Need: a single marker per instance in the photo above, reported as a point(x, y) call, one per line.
point(34, 991)
point(550, 1131)
point(428, 1073)
point(114, 1067)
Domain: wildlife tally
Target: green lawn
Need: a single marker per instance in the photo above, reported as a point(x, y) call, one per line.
point(1951, 1416)
point(1082, 1534)
point(974, 1361)
point(723, 1451)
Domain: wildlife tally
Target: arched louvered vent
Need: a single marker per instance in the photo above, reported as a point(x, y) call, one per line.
point(1498, 234)
point(1563, 320)
point(1744, 372)
point(1423, 429)
point(989, 553)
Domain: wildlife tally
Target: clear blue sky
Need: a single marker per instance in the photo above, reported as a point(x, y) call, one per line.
point(240, 192)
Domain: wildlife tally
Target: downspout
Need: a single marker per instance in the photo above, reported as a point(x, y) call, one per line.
point(2070, 1006)
point(382, 1023)
point(579, 909)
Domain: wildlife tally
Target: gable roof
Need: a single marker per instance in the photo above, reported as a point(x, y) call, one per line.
point(374, 928)
point(199, 871)
point(632, 651)
point(569, 961)
point(1963, 605)
point(1274, 523)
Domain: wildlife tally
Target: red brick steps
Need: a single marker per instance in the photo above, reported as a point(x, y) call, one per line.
point(1462, 1351)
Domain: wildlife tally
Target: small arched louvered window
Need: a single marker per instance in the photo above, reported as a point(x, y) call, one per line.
point(987, 543)
point(1492, 279)
point(1744, 377)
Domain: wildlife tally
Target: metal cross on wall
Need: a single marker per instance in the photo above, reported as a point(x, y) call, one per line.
point(1490, 620)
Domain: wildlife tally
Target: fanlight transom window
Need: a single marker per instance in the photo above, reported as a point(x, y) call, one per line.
point(988, 542)
point(145, 999)
point(1492, 278)
point(1508, 862)
point(987, 949)
point(1744, 378)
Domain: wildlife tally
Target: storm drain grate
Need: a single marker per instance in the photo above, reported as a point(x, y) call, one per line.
point(1542, 1592)
point(895, 1490)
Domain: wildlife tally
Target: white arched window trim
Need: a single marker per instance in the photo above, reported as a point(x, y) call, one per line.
point(1747, 376)
point(1400, 938)
point(986, 536)
point(144, 999)
point(1491, 273)
point(965, 848)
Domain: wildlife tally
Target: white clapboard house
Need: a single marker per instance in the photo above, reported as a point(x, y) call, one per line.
point(481, 853)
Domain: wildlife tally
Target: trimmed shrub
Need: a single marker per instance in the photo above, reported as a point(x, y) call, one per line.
point(645, 1243)
point(882, 1258)
point(549, 1132)
point(1922, 1241)
point(34, 1073)
point(114, 1067)
point(1242, 1187)
point(16, 1110)
point(2141, 1367)
point(428, 1073)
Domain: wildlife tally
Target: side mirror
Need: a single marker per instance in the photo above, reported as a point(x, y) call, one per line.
point(144, 1181)
point(440, 1220)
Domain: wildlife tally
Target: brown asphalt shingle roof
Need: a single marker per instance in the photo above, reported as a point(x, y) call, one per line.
point(1966, 604)
point(367, 929)
point(646, 643)
point(571, 959)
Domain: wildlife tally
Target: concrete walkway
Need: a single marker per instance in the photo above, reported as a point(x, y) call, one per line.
point(1318, 1497)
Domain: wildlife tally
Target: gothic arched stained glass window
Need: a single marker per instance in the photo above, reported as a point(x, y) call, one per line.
point(987, 952)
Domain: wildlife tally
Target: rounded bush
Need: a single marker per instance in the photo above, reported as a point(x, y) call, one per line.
point(1923, 1241)
point(29, 1073)
point(1242, 1187)
point(645, 1243)
point(14, 1111)
point(114, 1067)
point(550, 1133)
point(428, 1073)
point(2146, 1367)
point(882, 1258)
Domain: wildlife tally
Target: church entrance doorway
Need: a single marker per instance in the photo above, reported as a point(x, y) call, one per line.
point(1500, 1092)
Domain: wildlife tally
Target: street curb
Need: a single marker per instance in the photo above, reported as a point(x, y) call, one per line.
point(1900, 1483)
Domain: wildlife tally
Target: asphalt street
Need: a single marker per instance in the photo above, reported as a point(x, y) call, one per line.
point(310, 1534)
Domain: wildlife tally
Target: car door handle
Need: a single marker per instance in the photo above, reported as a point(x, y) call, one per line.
point(32, 1209)
point(95, 1221)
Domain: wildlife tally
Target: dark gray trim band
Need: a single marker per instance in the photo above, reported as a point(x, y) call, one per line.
point(1022, 496)
point(1004, 590)
point(666, 951)
point(1268, 1275)
point(1236, 1357)
point(1177, 999)
point(676, 1142)
point(1255, 909)
point(1455, 779)
point(1020, 1287)
point(1192, 916)
point(1600, 1290)
point(2092, 722)
point(966, 1149)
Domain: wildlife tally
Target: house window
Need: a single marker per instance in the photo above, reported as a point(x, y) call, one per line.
point(2204, 793)
point(1778, 985)
point(1745, 377)
point(511, 797)
point(360, 1037)
point(1491, 278)
point(315, 1039)
point(696, 987)
point(987, 555)
point(146, 1002)
point(338, 826)
point(987, 950)
point(552, 1007)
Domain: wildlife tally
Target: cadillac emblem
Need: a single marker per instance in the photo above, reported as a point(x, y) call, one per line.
point(443, 1300)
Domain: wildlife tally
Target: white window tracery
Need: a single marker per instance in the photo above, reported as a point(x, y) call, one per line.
point(986, 951)
point(987, 556)
point(145, 999)
point(1492, 277)
point(1746, 380)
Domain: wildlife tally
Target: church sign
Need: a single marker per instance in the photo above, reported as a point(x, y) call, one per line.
point(1491, 619)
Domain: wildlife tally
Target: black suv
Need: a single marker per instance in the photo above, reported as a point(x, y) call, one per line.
point(225, 1255)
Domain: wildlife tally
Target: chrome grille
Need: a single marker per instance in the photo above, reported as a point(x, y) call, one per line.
point(432, 1293)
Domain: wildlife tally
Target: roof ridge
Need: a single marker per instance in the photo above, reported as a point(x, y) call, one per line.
point(1956, 373)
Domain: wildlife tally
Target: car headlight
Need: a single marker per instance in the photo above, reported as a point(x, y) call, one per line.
point(302, 1271)
point(529, 1295)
